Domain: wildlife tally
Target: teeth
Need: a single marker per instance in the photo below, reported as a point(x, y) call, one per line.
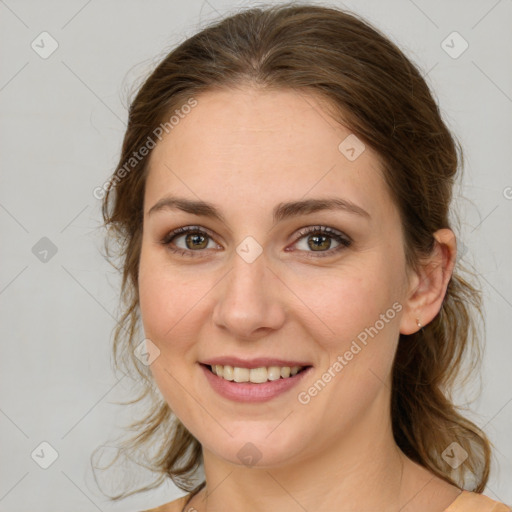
point(226, 372)
point(241, 374)
point(255, 375)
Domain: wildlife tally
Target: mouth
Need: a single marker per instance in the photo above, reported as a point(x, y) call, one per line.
point(252, 385)
point(255, 375)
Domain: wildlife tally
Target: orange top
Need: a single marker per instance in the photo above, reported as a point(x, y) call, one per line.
point(465, 502)
point(473, 502)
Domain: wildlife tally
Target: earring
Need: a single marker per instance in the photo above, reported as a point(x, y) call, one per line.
point(419, 324)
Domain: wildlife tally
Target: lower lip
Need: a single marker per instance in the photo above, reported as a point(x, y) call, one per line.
point(249, 391)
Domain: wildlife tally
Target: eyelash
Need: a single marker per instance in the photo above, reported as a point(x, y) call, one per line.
point(342, 239)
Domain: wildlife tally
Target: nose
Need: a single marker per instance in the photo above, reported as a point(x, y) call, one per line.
point(249, 303)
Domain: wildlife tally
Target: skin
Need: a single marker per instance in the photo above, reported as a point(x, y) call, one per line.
point(247, 150)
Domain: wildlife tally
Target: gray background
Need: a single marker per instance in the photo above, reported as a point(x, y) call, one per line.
point(62, 123)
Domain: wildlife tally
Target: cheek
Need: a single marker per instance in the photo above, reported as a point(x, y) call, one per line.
point(166, 305)
point(356, 325)
point(155, 305)
point(339, 305)
point(163, 298)
point(172, 303)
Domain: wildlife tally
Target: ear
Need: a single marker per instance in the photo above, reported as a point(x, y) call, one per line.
point(427, 288)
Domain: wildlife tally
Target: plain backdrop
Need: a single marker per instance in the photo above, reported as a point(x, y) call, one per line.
point(63, 116)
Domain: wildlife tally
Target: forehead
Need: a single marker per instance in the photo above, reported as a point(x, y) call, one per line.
point(261, 147)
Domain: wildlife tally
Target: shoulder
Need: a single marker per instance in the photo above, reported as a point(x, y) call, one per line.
point(172, 506)
point(474, 502)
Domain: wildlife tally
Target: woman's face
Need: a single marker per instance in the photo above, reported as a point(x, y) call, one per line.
point(264, 282)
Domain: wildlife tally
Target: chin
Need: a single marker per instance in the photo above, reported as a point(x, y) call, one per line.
point(257, 448)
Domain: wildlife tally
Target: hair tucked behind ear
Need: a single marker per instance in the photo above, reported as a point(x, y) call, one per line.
point(372, 88)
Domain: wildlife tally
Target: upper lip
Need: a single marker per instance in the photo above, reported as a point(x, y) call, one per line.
point(252, 363)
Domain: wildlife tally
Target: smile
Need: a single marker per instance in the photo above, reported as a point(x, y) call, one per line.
point(254, 375)
point(259, 384)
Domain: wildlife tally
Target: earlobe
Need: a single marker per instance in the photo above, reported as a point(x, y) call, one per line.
point(427, 293)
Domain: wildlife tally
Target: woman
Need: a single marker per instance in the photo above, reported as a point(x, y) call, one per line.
point(282, 204)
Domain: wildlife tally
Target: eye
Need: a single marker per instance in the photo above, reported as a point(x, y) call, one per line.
point(319, 240)
point(194, 238)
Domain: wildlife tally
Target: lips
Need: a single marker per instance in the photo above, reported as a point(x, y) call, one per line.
point(250, 392)
point(253, 363)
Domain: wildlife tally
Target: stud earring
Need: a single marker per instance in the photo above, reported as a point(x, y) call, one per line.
point(419, 324)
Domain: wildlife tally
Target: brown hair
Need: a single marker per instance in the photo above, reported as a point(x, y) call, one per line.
point(372, 88)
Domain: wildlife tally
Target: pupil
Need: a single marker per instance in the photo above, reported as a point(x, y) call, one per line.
point(317, 241)
point(196, 239)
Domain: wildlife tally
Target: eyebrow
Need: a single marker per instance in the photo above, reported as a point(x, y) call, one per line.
point(281, 212)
